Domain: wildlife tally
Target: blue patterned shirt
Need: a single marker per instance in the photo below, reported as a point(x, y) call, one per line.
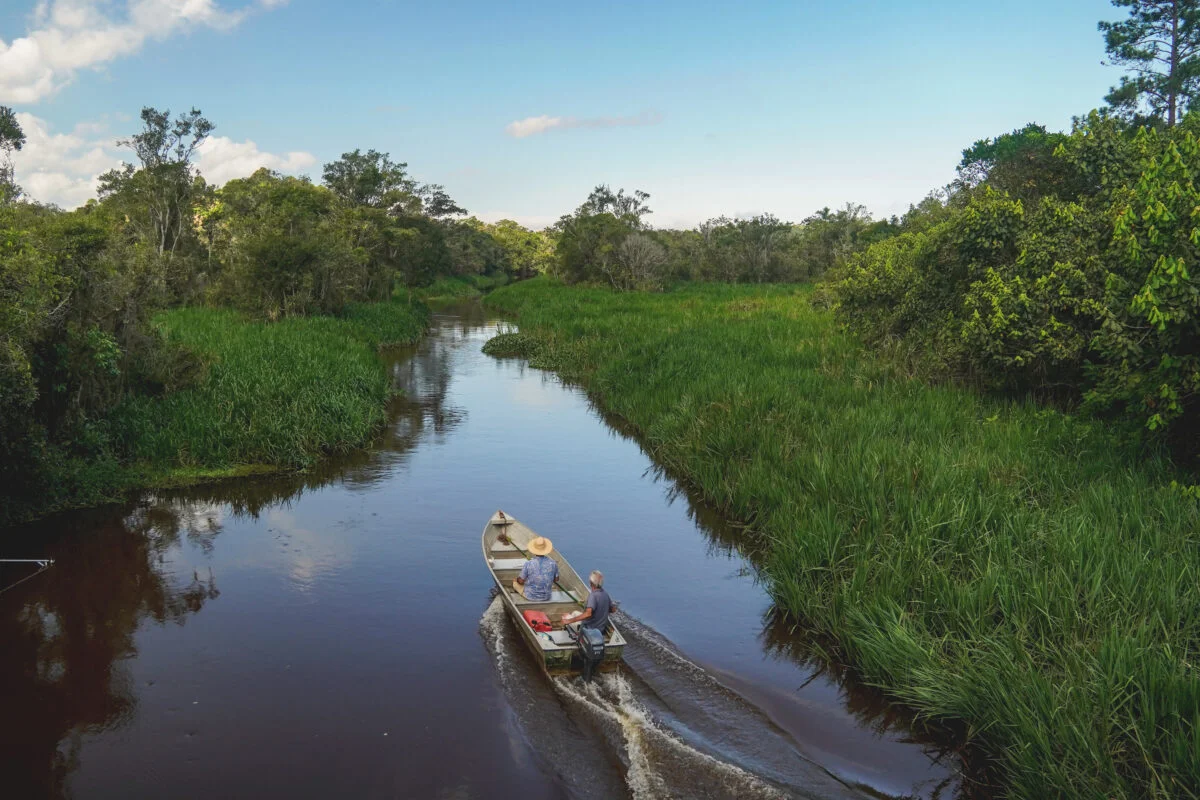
point(539, 574)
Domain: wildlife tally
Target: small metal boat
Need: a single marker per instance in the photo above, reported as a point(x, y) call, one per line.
point(505, 551)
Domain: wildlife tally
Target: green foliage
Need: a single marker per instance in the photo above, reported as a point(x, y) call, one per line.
point(283, 247)
point(1148, 345)
point(12, 138)
point(473, 250)
point(753, 250)
point(282, 393)
point(512, 344)
point(83, 370)
point(528, 252)
point(587, 243)
point(157, 199)
point(825, 239)
point(455, 288)
point(606, 240)
point(764, 249)
point(1087, 294)
point(371, 179)
point(991, 563)
point(1021, 163)
point(1159, 42)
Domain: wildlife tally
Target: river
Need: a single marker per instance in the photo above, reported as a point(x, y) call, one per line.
point(335, 633)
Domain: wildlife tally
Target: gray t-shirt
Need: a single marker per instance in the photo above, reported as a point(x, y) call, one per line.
point(600, 604)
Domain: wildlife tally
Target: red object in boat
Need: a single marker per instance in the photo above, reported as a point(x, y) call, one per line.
point(538, 621)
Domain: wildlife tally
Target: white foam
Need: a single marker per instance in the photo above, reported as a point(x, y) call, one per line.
point(656, 758)
point(611, 696)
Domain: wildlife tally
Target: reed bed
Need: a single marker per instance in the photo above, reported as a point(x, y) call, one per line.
point(1000, 565)
point(282, 394)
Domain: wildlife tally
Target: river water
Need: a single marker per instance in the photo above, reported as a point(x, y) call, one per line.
point(335, 634)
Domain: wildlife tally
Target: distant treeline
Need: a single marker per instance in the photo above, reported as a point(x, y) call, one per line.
point(609, 240)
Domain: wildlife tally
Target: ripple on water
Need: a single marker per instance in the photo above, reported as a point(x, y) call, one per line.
point(666, 729)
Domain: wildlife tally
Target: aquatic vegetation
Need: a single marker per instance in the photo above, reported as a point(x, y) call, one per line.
point(282, 393)
point(995, 563)
point(512, 344)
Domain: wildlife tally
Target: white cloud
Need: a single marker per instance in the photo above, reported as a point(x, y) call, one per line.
point(70, 35)
point(62, 168)
point(531, 126)
point(222, 159)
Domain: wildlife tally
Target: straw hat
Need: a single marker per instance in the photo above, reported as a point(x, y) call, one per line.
point(540, 546)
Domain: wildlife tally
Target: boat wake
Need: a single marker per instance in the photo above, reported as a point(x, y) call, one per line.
point(658, 728)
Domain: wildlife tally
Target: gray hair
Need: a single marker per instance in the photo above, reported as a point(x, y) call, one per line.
point(596, 578)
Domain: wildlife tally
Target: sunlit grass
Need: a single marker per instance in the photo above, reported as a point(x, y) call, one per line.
point(999, 564)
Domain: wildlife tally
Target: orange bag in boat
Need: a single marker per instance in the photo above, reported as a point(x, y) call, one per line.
point(538, 620)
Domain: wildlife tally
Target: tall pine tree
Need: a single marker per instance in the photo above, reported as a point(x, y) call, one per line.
point(1159, 43)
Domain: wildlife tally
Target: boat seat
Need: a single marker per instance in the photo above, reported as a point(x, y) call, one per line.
point(500, 547)
point(507, 563)
point(555, 597)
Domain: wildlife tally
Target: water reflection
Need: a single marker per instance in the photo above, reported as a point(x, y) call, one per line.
point(69, 633)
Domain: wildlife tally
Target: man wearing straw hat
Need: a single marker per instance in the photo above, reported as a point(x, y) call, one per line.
point(539, 573)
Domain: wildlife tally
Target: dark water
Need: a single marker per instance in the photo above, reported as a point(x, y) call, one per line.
point(334, 634)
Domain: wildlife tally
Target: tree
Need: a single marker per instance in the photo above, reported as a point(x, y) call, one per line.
point(473, 250)
point(629, 208)
point(529, 252)
point(586, 242)
point(827, 238)
point(1160, 44)
point(637, 263)
point(1021, 163)
point(12, 138)
point(436, 203)
point(370, 179)
point(589, 238)
point(288, 247)
point(164, 188)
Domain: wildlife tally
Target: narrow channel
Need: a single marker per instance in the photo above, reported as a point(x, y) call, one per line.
point(334, 634)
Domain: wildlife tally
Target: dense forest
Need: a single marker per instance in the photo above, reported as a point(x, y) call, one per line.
point(89, 342)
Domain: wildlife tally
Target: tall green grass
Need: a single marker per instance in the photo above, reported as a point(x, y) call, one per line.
point(283, 393)
point(1001, 565)
point(457, 287)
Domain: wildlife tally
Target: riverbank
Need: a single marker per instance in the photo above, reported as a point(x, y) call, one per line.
point(271, 396)
point(996, 564)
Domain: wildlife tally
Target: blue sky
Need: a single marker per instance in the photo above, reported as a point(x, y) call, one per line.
point(712, 108)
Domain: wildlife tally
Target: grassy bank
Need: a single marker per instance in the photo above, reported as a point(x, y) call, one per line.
point(272, 396)
point(1000, 565)
point(461, 287)
point(282, 393)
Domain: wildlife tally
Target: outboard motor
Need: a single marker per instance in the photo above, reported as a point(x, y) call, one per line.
point(591, 649)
